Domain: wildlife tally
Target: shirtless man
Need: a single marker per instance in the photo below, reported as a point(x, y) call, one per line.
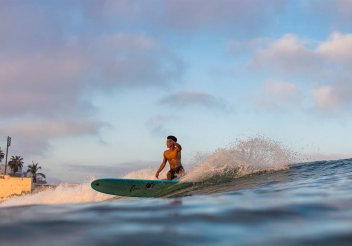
point(173, 156)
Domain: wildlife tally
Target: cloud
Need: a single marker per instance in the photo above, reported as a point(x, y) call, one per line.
point(283, 91)
point(287, 55)
point(47, 68)
point(46, 63)
point(325, 97)
point(290, 54)
point(135, 60)
point(47, 83)
point(183, 15)
point(33, 137)
point(45, 18)
point(334, 97)
point(279, 94)
point(329, 63)
point(194, 14)
point(338, 48)
point(51, 82)
point(46, 74)
point(339, 10)
point(193, 98)
point(24, 26)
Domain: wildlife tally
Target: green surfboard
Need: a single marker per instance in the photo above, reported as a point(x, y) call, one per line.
point(138, 187)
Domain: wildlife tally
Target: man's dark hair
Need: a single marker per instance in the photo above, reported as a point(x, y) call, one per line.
point(172, 138)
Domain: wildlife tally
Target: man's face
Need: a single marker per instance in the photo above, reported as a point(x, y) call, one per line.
point(170, 143)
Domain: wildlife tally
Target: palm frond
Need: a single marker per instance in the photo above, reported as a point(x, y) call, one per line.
point(41, 174)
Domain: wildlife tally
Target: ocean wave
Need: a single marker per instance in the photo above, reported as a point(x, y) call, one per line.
point(62, 194)
point(244, 157)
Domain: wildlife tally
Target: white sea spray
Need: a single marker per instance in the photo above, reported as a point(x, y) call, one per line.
point(244, 157)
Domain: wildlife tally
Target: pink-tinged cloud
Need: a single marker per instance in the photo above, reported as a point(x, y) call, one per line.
point(193, 14)
point(184, 15)
point(283, 91)
point(329, 63)
point(292, 55)
point(338, 48)
point(334, 97)
point(278, 95)
point(286, 55)
point(135, 60)
point(47, 67)
point(325, 97)
point(51, 82)
point(44, 84)
point(339, 10)
point(193, 98)
point(33, 137)
point(343, 6)
point(26, 25)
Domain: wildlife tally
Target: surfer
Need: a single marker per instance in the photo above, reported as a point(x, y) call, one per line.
point(173, 156)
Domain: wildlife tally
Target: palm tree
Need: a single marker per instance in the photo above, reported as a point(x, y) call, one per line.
point(33, 169)
point(16, 163)
point(2, 155)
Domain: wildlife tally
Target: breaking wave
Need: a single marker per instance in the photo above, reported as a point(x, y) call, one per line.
point(244, 157)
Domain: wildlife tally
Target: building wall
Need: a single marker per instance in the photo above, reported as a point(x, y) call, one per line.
point(14, 186)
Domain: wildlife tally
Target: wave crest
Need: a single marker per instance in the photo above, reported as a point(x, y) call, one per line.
point(244, 157)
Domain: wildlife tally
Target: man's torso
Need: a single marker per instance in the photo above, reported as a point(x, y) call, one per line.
point(173, 156)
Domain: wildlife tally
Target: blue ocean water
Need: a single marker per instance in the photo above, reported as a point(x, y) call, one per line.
point(306, 203)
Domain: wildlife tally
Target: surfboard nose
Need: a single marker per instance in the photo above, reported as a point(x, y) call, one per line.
point(95, 184)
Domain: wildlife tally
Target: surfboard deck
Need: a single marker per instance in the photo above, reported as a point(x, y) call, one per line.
point(138, 187)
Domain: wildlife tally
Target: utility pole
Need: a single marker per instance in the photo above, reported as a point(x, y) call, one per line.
point(7, 151)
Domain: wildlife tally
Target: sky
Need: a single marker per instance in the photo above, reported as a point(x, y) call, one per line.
point(93, 87)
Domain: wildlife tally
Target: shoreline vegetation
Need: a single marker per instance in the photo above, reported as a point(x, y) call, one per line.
point(14, 168)
point(15, 180)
